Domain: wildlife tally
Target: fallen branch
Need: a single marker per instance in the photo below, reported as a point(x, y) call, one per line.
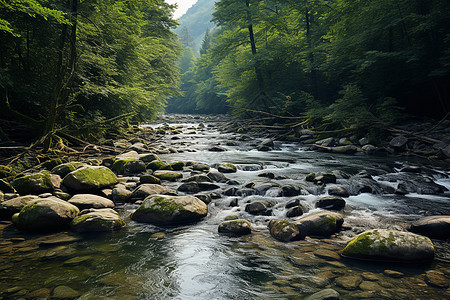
point(418, 136)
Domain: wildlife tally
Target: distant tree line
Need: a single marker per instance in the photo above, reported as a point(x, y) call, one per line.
point(343, 61)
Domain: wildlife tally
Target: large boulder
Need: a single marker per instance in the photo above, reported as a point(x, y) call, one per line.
point(322, 224)
point(87, 201)
point(36, 184)
point(390, 245)
point(235, 227)
point(45, 214)
point(105, 219)
point(437, 227)
point(170, 210)
point(15, 205)
point(90, 179)
point(284, 230)
point(64, 169)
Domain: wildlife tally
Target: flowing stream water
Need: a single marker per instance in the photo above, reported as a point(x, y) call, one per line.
point(144, 261)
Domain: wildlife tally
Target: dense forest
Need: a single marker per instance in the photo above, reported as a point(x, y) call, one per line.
point(74, 67)
point(346, 62)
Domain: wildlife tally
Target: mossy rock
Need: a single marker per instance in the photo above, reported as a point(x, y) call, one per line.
point(90, 179)
point(97, 220)
point(321, 224)
point(149, 179)
point(64, 169)
point(34, 184)
point(156, 165)
point(170, 210)
point(168, 175)
point(49, 214)
point(6, 172)
point(128, 166)
point(284, 230)
point(227, 168)
point(391, 246)
point(235, 227)
point(310, 177)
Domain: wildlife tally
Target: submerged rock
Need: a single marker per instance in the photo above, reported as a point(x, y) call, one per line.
point(321, 224)
point(235, 227)
point(390, 245)
point(90, 179)
point(170, 210)
point(45, 214)
point(437, 227)
point(95, 220)
point(284, 230)
point(327, 294)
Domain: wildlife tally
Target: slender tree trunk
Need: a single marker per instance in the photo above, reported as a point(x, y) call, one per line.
point(62, 79)
point(313, 74)
point(259, 76)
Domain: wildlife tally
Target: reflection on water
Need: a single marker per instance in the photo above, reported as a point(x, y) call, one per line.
point(195, 262)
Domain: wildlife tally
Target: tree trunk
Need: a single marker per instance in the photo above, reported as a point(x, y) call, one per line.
point(313, 74)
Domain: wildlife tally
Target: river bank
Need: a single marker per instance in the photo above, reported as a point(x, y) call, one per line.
point(160, 260)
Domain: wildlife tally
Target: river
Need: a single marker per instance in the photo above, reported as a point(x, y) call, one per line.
point(144, 261)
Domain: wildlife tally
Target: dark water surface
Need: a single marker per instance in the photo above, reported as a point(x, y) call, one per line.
point(144, 261)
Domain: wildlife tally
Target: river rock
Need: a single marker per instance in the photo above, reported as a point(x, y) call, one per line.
point(128, 166)
point(390, 245)
point(147, 178)
point(338, 191)
point(235, 227)
point(36, 184)
point(15, 205)
point(204, 197)
point(217, 176)
point(437, 227)
point(284, 230)
point(196, 166)
point(231, 191)
point(130, 155)
point(95, 220)
point(64, 169)
point(436, 279)
point(64, 292)
point(217, 149)
point(90, 179)
point(327, 294)
point(198, 178)
point(175, 166)
point(322, 224)
point(87, 201)
point(258, 208)
point(148, 157)
point(189, 187)
point(120, 195)
point(290, 190)
point(398, 142)
point(227, 168)
point(293, 202)
point(139, 147)
point(324, 178)
point(168, 175)
point(45, 214)
point(349, 282)
point(295, 211)
point(156, 165)
point(145, 190)
point(331, 203)
point(170, 210)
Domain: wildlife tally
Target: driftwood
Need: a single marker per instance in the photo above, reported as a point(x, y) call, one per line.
point(413, 134)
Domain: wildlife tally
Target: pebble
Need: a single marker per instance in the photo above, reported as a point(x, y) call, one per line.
point(393, 274)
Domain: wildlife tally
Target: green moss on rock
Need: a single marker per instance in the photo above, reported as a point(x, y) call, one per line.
point(156, 165)
point(89, 178)
point(390, 245)
point(34, 184)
